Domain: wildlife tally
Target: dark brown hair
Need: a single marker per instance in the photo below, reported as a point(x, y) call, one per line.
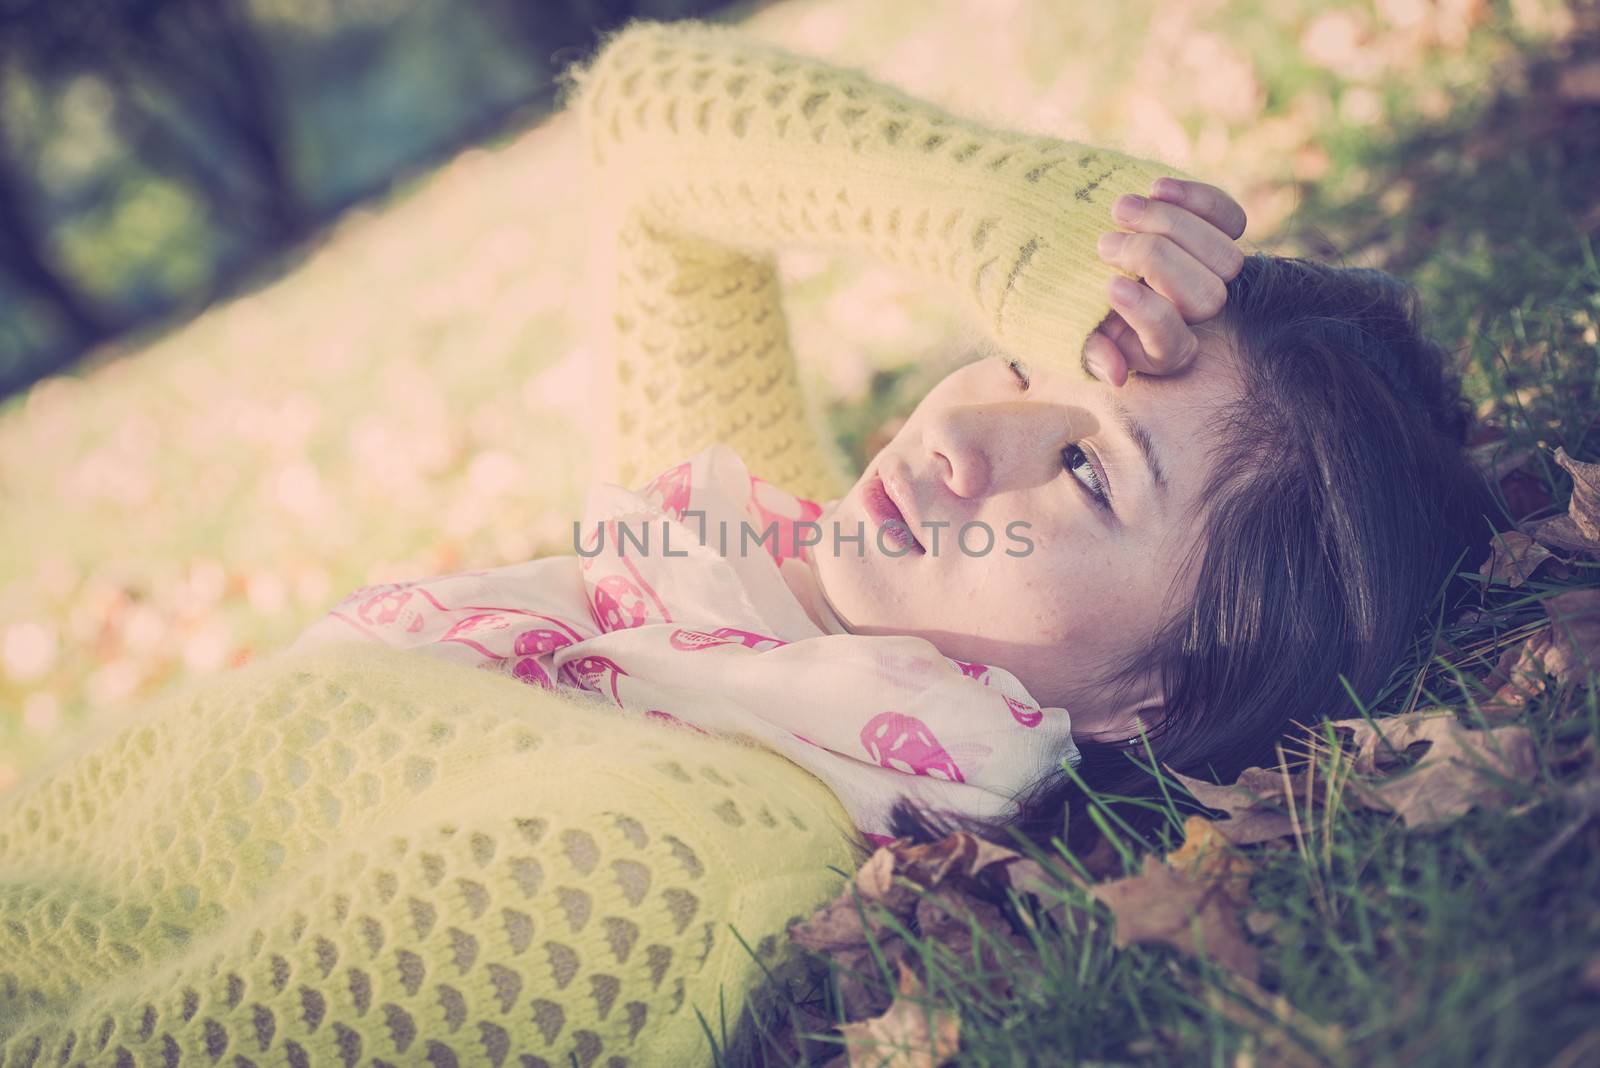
point(1342, 516)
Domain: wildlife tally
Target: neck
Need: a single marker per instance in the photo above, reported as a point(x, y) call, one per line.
point(806, 584)
point(839, 625)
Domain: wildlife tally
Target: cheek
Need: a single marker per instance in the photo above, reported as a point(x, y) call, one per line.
point(1049, 614)
point(1051, 597)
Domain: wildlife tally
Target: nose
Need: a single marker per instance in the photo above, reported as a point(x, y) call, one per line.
point(983, 449)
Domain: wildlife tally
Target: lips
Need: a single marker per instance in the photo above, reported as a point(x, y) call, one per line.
point(885, 512)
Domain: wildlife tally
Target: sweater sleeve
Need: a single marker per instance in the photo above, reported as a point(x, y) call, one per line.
point(707, 149)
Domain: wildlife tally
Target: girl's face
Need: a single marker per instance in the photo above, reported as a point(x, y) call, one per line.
point(1046, 581)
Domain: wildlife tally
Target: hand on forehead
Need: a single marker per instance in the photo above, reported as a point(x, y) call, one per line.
point(1183, 249)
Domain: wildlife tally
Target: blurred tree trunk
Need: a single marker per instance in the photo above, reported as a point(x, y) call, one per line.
point(204, 59)
point(160, 144)
point(207, 56)
point(25, 254)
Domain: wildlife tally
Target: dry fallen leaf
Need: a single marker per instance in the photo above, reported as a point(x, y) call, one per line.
point(972, 930)
point(1207, 856)
point(1164, 906)
point(903, 1036)
point(1567, 650)
point(1574, 644)
point(1252, 804)
point(1456, 772)
point(963, 880)
point(1513, 559)
point(1258, 802)
point(845, 930)
point(1579, 529)
point(1517, 678)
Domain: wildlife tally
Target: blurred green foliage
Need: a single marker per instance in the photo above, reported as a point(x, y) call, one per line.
point(154, 152)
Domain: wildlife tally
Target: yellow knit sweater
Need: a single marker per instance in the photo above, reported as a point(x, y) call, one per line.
point(708, 150)
point(357, 855)
point(361, 855)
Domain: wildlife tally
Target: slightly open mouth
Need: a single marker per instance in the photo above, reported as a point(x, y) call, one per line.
point(889, 517)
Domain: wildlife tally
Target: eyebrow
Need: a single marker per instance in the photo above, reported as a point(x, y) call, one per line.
point(1141, 438)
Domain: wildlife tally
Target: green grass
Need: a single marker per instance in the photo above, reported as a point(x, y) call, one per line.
point(398, 400)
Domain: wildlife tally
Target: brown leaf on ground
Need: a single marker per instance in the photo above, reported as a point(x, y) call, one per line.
point(1517, 678)
point(847, 929)
point(842, 923)
point(1513, 559)
point(1566, 650)
point(965, 876)
point(1579, 529)
point(1258, 802)
point(1164, 906)
point(1574, 644)
point(959, 855)
point(1207, 856)
point(910, 1034)
point(1250, 789)
point(1457, 770)
point(1258, 825)
point(973, 931)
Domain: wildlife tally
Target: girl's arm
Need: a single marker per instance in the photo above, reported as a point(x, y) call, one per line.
point(708, 148)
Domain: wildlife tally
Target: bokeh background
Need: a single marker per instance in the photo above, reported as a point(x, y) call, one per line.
point(288, 288)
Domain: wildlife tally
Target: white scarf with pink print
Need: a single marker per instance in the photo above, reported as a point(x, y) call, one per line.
point(669, 609)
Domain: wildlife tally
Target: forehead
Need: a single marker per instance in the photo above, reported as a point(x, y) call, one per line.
point(1190, 396)
point(1183, 413)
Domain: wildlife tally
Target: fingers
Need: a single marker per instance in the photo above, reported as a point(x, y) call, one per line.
point(1168, 345)
point(1193, 288)
point(1206, 201)
point(1184, 254)
point(1105, 358)
point(1113, 351)
point(1130, 351)
point(1197, 236)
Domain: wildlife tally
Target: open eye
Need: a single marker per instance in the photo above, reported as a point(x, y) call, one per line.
point(1072, 456)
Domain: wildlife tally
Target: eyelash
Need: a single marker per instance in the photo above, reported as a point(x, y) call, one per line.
point(1098, 491)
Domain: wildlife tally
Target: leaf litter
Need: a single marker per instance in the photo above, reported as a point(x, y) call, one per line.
point(963, 896)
